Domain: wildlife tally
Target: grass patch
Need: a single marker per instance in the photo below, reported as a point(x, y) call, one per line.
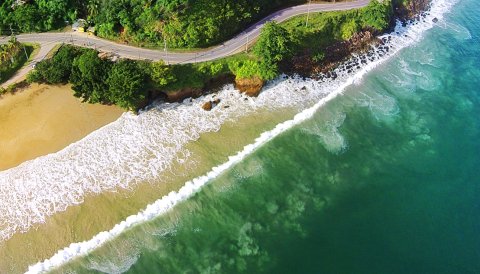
point(35, 50)
point(325, 28)
point(198, 74)
point(16, 61)
point(53, 51)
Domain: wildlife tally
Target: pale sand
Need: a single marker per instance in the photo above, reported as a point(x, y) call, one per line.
point(101, 212)
point(44, 119)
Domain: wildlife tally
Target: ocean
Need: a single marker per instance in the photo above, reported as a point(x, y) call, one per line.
point(375, 172)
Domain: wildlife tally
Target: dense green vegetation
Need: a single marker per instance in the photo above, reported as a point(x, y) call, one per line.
point(183, 23)
point(93, 79)
point(57, 69)
point(125, 83)
point(273, 46)
point(13, 56)
point(128, 83)
point(36, 15)
point(326, 28)
point(278, 43)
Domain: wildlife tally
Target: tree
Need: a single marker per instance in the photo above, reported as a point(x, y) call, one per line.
point(88, 77)
point(161, 74)
point(56, 70)
point(93, 8)
point(349, 28)
point(246, 69)
point(377, 15)
point(273, 46)
point(12, 57)
point(26, 18)
point(53, 12)
point(126, 84)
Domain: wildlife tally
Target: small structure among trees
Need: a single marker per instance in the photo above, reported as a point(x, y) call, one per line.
point(79, 25)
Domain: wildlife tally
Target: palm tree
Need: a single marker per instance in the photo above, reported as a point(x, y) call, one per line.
point(93, 8)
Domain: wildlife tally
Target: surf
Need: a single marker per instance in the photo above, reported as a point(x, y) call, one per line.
point(322, 91)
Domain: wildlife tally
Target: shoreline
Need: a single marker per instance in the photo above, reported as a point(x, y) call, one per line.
point(45, 119)
point(207, 98)
point(74, 222)
point(167, 202)
point(336, 54)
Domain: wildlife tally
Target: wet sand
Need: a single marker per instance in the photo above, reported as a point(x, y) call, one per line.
point(44, 119)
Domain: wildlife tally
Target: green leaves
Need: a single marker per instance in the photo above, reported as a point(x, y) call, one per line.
point(126, 84)
point(273, 46)
point(26, 18)
point(88, 77)
point(12, 57)
point(56, 70)
point(97, 80)
point(36, 15)
point(246, 69)
point(377, 15)
point(349, 28)
point(161, 74)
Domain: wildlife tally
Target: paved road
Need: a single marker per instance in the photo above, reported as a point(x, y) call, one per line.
point(20, 75)
point(236, 44)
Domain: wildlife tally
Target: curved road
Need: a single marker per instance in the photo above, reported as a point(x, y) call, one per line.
point(48, 40)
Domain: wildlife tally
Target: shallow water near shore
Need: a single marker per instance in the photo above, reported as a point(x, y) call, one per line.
point(360, 167)
point(383, 179)
point(101, 212)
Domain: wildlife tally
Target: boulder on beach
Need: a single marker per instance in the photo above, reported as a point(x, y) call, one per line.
point(250, 86)
point(207, 106)
point(211, 104)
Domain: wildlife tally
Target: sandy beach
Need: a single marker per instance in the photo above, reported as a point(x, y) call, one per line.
point(44, 119)
point(101, 212)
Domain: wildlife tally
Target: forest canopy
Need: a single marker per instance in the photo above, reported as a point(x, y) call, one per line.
point(183, 23)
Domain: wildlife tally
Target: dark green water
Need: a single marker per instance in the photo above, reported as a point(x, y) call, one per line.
point(384, 179)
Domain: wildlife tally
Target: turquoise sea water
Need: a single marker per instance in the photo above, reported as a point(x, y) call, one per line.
point(384, 179)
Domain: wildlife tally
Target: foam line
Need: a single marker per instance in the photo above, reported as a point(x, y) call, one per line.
point(400, 38)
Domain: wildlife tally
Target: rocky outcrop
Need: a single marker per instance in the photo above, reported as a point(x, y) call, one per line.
point(411, 9)
point(250, 86)
point(211, 86)
point(181, 94)
point(359, 42)
point(304, 65)
point(217, 83)
point(210, 104)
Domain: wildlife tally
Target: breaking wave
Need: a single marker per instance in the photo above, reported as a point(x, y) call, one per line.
point(137, 148)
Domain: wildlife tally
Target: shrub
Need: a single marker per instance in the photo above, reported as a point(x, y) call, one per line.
point(349, 28)
point(56, 70)
point(161, 74)
point(88, 77)
point(126, 84)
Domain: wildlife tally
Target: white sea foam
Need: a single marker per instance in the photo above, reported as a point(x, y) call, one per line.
point(177, 125)
point(120, 262)
point(327, 132)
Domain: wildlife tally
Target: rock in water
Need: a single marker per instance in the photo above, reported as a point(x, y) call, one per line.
point(249, 86)
point(208, 106)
